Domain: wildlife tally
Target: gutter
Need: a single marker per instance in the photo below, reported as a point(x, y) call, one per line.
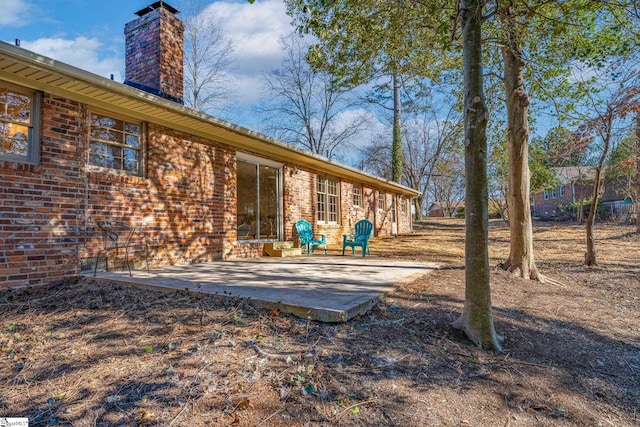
point(46, 74)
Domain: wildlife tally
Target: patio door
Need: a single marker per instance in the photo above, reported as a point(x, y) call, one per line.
point(259, 198)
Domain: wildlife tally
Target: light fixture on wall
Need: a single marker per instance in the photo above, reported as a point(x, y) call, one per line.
point(295, 171)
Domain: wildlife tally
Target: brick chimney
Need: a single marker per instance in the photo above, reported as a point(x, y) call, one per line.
point(154, 51)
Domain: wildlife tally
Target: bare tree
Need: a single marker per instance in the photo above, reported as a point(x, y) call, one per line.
point(448, 182)
point(427, 136)
point(427, 139)
point(375, 156)
point(308, 108)
point(602, 130)
point(207, 59)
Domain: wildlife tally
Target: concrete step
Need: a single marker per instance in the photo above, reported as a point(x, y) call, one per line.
point(281, 245)
point(281, 249)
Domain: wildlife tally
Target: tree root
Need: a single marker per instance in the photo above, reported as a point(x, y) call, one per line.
point(551, 281)
point(518, 271)
point(487, 340)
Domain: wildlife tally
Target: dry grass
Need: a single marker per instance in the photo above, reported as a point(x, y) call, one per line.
point(83, 354)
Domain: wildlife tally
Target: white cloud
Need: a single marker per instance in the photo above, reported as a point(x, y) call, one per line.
point(250, 88)
point(371, 133)
point(15, 12)
point(81, 52)
point(255, 30)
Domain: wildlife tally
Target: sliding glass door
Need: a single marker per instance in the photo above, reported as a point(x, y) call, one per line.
point(259, 200)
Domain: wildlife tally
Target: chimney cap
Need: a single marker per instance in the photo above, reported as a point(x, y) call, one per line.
point(157, 5)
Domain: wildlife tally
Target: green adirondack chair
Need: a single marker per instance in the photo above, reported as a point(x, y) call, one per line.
point(308, 239)
point(360, 237)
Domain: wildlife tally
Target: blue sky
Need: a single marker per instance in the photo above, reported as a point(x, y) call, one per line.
point(89, 34)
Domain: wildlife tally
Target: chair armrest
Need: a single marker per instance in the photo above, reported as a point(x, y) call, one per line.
point(321, 236)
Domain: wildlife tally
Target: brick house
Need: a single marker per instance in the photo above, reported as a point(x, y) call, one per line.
point(77, 148)
point(446, 209)
point(576, 184)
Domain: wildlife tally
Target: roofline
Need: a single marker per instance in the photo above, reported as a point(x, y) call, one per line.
point(42, 73)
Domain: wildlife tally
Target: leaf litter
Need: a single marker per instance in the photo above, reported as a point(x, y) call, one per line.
point(92, 354)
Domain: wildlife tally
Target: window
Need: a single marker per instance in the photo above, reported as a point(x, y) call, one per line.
point(554, 194)
point(545, 195)
point(403, 205)
point(561, 190)
point(357, 195)
point(115, 144)
point(382, 201)
point(259, 199)
point(19, 123)
point(327, 200)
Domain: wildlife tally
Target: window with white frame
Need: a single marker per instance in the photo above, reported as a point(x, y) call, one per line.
point(382, 201)
point(561, 191)
point(116, 143)
point(554, 194)
point(545, 195)
point(19, 123)
point(327, 199)
point(403, 205)
point(357, 195)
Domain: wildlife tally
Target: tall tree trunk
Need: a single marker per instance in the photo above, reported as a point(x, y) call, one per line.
point(590, 257)
point(396, 149)
point(477, 318)
point(418, 201)
point(638, 173)
point(579, 209)
point(521, 261)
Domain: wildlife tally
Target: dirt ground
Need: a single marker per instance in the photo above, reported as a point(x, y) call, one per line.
point(88, 354)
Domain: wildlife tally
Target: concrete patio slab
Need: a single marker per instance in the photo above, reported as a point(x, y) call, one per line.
point(327, 288)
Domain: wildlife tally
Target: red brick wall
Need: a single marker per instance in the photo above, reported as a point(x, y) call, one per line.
point(299, 199)
point(550, 207)
point(186, 199)
point(41, 206)
point(405, 220)
point(300, 203)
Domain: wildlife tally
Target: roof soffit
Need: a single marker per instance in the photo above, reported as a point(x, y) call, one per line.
point(26, 68)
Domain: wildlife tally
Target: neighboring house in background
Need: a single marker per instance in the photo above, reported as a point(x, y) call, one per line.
point(576, 186)
point(617, 202)
point(76, 148)
point(446, 209)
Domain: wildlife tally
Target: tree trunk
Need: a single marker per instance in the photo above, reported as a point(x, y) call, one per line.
point(477, 318)
point(638, 173)
point(579, 210)
point(521, 261)
point(417, 202)
point(396, 149)
point(590, 257)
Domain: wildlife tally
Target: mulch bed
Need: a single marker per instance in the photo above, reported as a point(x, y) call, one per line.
point(89, 354)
